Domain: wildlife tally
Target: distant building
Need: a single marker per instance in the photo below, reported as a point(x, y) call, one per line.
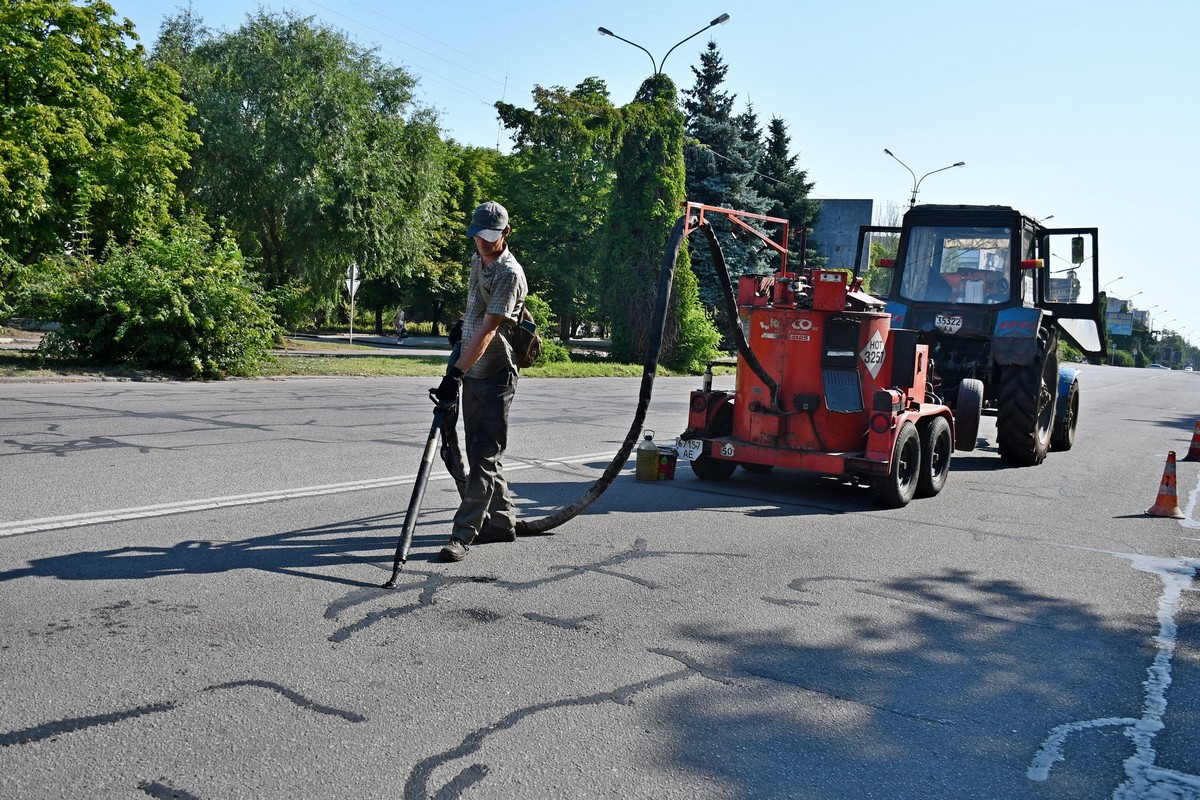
point(835, 231)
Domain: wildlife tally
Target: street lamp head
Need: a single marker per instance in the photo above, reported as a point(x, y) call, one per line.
point(658, 65)
point(917, 181)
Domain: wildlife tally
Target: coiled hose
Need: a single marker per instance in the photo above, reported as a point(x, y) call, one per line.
point(666, 276)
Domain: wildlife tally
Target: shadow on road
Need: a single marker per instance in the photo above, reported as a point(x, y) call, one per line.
point(357, 541)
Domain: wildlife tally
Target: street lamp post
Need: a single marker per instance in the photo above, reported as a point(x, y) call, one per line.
point(1110, 283)
point(658, 65)
point(1127, 299)
point(917, 181)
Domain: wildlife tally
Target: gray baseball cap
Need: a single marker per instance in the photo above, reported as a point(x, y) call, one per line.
point(488, 221)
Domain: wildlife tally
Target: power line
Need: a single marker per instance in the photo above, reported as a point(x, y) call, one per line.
point(424, 70)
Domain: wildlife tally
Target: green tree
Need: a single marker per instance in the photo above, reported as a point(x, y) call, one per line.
point(180, 301)
point(721, 155)
point(437, 288)
point(92, 136)
point(560, 181)
point(315, 153)
point(646, 202)
point(786, 190)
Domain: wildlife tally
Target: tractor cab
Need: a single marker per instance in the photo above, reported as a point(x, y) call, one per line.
point(978, 271)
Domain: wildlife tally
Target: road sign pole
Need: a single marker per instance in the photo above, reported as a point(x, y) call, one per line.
point(352, 282)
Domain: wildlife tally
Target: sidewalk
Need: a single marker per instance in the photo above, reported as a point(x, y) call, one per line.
point(380, 346)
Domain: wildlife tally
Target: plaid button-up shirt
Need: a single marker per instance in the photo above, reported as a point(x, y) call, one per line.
point(499, 288)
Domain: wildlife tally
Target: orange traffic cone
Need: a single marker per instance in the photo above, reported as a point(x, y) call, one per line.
point(1167, 505)
point(1194, 450)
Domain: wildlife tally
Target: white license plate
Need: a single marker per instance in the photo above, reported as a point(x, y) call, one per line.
point(689, 449)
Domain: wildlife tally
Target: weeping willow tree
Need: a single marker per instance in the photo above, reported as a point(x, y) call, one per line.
point(646, 201)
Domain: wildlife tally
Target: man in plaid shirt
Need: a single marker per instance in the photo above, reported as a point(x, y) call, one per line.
point(486, 373)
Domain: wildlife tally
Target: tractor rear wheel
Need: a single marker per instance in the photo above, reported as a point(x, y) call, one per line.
point(1025, 412)
point(707, 468)
point(936, 449)
point(968, 408)
point(899, 486)
point(1064, 426)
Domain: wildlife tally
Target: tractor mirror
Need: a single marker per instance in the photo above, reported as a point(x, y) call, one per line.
point(1032, 263)
point(1077, 250)
point(887, 263)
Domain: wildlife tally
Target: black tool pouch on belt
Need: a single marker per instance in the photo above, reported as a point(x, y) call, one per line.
point(525, 339)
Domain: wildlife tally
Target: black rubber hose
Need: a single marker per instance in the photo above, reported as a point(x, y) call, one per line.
point(731, 311)
point(666, 275)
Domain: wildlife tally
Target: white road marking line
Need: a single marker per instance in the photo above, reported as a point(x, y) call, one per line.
point(1145, 778)
point(190, 506)
point(1189, 513)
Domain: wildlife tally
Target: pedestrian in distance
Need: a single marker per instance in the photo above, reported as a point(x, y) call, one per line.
point(401, 327)
point(486, 375)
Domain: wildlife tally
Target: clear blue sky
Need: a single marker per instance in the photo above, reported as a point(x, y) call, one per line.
point(1085, 110)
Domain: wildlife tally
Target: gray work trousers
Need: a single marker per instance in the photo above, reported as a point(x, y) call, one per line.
point(485, 403)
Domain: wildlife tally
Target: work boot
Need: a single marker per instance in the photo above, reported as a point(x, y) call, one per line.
point(491, 534)
point(454, 551)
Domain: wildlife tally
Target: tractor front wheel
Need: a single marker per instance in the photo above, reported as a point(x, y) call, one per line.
point(898, 487)
point(967, 411)
point(1064, 426)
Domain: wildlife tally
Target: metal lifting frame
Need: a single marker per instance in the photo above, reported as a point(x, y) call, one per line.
point(697, 211)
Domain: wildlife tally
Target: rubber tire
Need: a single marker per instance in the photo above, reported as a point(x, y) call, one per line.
point(1064, 426)
point(707, 468)
point(968, 408)
point(899, 486)
point(1026, 406)
point(937, 448)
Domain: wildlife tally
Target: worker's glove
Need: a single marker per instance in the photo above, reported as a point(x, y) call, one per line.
point(447, 390)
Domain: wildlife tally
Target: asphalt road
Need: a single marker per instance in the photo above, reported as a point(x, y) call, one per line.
point(189, 607)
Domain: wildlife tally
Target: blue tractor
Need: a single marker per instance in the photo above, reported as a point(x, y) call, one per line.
point(991, 291)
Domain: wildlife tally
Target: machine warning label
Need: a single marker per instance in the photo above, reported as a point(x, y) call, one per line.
point(872, 355)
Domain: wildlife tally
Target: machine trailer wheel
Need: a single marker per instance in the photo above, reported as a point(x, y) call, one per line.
point(1064, 427)
point(968, 408)
point(899, 486)
point(936, 450)
point(707, 468)
point(1025, 413)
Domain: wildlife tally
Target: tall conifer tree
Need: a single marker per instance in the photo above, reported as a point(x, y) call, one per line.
point(721, 155)
point(646, 202)
point(786, 189)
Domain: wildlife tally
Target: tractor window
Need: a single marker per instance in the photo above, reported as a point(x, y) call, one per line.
point(957, 265)
point(1070, 281)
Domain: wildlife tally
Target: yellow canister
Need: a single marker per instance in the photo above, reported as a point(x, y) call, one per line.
point(647, 458)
